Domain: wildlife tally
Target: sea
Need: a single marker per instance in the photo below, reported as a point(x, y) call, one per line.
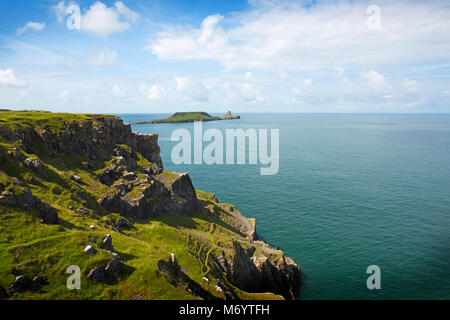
point(352, 191)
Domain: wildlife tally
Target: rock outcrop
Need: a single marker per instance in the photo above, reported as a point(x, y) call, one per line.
point(257, 274)
point(96, 138)
point(107, 274)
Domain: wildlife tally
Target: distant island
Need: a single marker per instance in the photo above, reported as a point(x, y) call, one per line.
point(180, 117)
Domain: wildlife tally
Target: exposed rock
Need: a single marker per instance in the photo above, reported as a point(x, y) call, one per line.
point(90, 250)
point(123, 223)
point(107, 243)
point(29, 201)
point(34, 164)
point(107, 274)
point(257, 274)
point(77, 178)
point(111, 174)
point(82, 211)
point(37, 283)
point(129, 176)
point(170, 266)
point(48, 214)
point(20, 284)
point(8, 198)
point(174, 275)
point(113, 269)
point(120, 161)
point(98, 274)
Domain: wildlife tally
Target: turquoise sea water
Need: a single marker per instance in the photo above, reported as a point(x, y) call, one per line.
point(351, 191)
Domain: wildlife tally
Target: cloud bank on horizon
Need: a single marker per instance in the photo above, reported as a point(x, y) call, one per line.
point(256, 56)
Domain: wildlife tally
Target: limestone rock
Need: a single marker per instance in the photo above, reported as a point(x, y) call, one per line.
point(123, 223)
point(48, 214)
point(98, 274)
point(170, 266)
point(90, 250)
point(23, 284)
point(129, 176)
point(77, 178)
point(107, 274)
point(107, 243)
point(35, 165)
point(113, 269)
point(8, 198)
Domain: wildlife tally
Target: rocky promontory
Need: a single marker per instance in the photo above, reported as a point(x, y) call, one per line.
point(86, 191)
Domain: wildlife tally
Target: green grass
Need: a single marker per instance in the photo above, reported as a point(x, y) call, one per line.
point(42, 119)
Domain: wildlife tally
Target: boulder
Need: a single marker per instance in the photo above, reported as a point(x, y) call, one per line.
point(98, 274)
point(77, 178)
point(170, 266)
point(107, 274)
point(113, 269)
point(107, 243)
point(90, 250)
point(8, 198)
point(34, 164)
point(20, 284)
point(48, 214)
point(124, 223)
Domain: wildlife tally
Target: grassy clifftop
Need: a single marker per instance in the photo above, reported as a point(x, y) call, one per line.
point(67, 181)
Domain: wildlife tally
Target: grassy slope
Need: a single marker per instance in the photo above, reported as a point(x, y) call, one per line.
point(48, 250)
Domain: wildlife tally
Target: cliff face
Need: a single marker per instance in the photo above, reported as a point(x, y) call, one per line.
point(96, 172)
point(96, 139)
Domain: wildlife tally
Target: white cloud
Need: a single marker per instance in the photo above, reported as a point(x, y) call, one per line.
point(375, 80)
point(410, 85)
point(126, 12)
point(289, 36)
point(8, 79)
point(118, 91)
point(192, 89)
point(101, 20)
point(36, 26)
point(151, 92)
point(104, 58)
point(307, 82)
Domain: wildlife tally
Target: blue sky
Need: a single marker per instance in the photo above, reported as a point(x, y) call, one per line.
point(247, 56)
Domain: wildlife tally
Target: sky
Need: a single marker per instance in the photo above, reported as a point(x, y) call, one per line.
point(162, 56)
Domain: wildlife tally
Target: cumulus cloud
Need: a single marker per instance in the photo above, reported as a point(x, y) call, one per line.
point(36, 26)
point(105, 58)
point(287, 35)
point(191, 89)
point(8, 79)
point(99, 19)
point(151, 92)
point(375, 80)
point(410, 85)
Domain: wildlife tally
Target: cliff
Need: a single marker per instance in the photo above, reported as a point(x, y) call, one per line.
point(85, 190)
